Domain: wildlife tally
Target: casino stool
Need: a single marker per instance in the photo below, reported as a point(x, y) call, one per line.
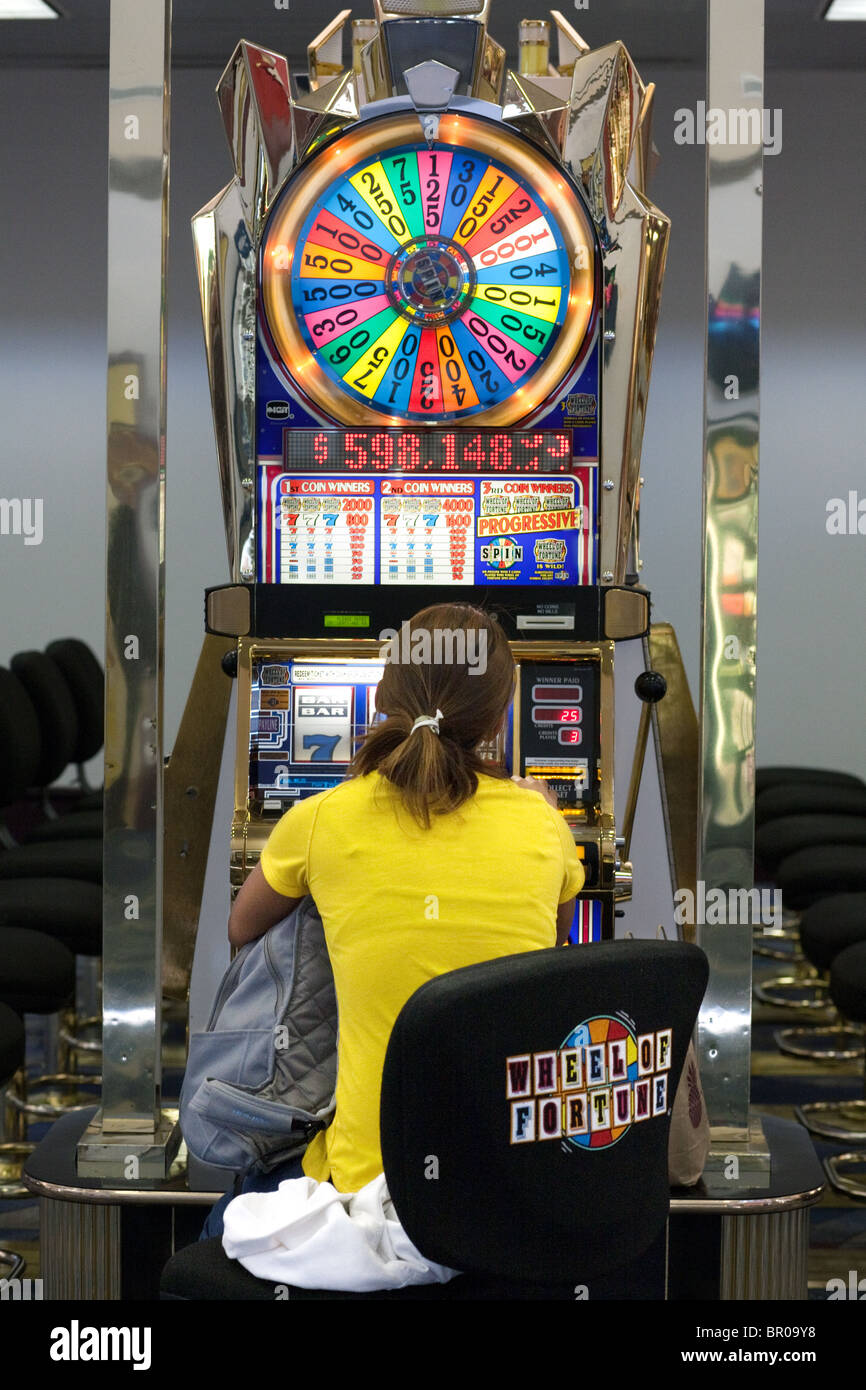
point(37, 976)
point(806, 877)
point(828, 927)
point(55, 710)
point(12, 1152)
point(778, 839)
point(39, 883)
point(843, 1120)
point(12, 1049)
point(71, 912)
point(86, 682)
point(766, 777)
point(20, 755)
point(529, 1219)
point(819, 799)
point(811, 874)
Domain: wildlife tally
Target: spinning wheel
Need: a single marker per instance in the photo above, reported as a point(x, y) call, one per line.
point(453, 281)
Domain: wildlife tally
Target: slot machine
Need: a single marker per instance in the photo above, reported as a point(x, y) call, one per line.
point(430, 295)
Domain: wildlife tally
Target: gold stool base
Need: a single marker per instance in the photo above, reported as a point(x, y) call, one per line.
point(12, 1156)
point(784, 990)
point(49, 1097)
point(842, 1169)
point(844, 1121)
point(794, 1043)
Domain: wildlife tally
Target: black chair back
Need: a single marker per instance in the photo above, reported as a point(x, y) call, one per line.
point(526, 1108)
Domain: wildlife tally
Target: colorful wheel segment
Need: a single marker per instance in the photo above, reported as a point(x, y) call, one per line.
point(598, 1033)
point(429, 283)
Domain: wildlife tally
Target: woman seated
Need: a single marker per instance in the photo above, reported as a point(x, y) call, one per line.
point(426, 859)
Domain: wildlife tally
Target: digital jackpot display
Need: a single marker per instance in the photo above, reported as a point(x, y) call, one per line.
point(416, 451)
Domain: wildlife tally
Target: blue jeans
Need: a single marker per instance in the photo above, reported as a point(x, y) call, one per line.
point(252, 1182)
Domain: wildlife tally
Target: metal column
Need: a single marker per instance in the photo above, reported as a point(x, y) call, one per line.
point(732, 126)
point(130, 1138)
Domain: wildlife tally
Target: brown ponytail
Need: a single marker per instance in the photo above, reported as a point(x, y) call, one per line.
point(452, 658)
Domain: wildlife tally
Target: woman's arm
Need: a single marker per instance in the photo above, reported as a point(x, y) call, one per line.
point(564, 919)
point(256, 909)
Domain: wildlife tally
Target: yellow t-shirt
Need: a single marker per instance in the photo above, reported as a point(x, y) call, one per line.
point(400, 905)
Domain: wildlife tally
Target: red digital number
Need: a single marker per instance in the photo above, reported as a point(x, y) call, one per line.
point(382, 451)
point(355, 453)
point(570, 736)
point(408, 452)
point(320, 449)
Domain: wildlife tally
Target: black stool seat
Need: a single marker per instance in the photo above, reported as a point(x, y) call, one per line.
point(831, 925)
point(848, 982)
point(816, 800)
point(37, 973)
point(807, 776)
point(825, 871)
point(778, 839)
point(11, 1043)
point(66, 859)
point(70, 910)
point(84, 678)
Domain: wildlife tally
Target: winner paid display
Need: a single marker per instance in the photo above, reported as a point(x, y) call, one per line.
point(430, 295)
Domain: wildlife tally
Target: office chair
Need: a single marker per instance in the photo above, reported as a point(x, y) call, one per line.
point(525, 1117)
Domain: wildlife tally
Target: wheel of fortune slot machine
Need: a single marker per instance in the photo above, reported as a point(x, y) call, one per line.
point(430, 295)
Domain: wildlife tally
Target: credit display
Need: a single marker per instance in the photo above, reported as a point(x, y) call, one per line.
point(417, 451)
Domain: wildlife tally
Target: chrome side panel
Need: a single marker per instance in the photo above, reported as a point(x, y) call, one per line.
point(605, 144)
point(225, 260)
point(727, 698)
point(137, 251)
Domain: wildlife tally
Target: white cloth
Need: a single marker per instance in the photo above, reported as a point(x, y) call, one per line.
point(309, 1234)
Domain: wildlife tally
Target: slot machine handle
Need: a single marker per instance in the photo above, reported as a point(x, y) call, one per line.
point(649, 687)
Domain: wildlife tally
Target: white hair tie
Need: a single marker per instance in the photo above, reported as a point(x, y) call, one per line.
point(431, 719)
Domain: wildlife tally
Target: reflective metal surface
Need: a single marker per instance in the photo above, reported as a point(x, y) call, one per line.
point(190, 795)
point(735, 65)
point(225, 260)
point(675, 730)
point(256, 106)
point(325, 53)
point(607, 132)
point(132, 886)
point(765, 1257)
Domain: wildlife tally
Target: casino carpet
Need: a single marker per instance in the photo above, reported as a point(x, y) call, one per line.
point(779, 1083)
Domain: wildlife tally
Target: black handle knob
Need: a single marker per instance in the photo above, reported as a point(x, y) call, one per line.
point(229, 662)
point(650, 686)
